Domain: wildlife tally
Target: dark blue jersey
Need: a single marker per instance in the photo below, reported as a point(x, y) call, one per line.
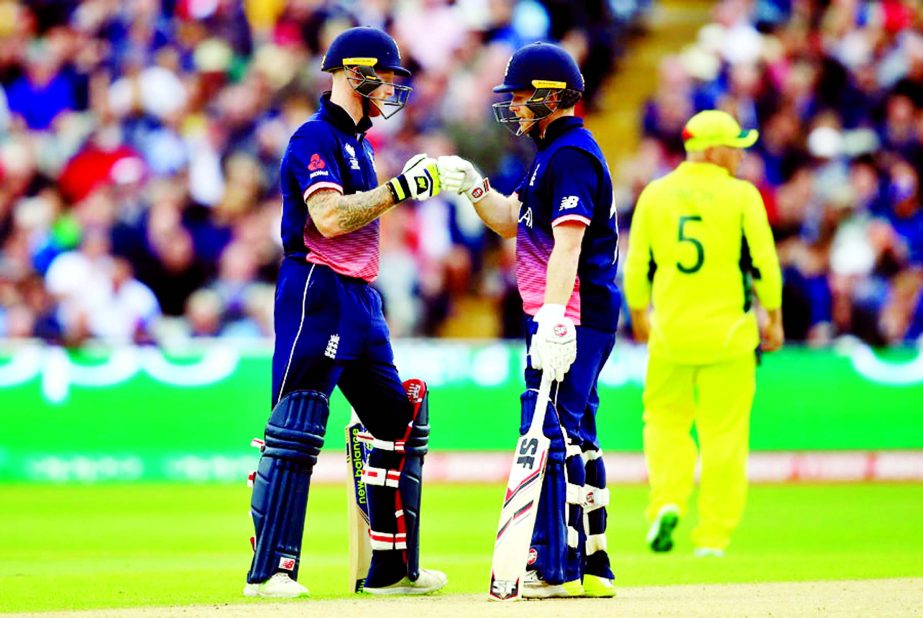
point(329, 151)
point(570, 181)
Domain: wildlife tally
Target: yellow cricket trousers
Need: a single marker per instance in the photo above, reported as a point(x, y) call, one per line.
point(717, 398)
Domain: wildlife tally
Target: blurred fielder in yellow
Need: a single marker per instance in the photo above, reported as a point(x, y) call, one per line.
point(700, 243)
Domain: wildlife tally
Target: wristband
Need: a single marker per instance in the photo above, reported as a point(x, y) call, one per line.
point(478, 191)
point(400, 188)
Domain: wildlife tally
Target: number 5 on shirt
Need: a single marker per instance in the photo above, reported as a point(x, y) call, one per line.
point(684, 236)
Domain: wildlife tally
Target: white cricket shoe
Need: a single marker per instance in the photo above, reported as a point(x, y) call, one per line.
point(709, 552)
point(534, 587)
point(279, 586)
point(430, 580)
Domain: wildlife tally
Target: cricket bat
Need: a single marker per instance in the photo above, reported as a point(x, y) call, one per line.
point(520, 505)
point(357, 507)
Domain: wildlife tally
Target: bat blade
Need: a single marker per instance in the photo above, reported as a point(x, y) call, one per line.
point(357, 507)
point(520, 506)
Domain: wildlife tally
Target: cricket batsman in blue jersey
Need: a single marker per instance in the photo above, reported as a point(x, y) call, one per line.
point(330, 330)
point(563, 219)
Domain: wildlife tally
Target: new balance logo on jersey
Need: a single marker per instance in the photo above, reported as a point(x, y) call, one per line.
point(571, 201)
point(526, 217)
point(332, 345)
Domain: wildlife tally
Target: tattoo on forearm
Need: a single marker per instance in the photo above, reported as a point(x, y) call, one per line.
point(350, 212)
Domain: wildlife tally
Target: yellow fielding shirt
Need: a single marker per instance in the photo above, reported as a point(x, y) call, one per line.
point(699, 243)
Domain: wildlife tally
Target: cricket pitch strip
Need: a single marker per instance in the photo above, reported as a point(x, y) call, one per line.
point(871, 597)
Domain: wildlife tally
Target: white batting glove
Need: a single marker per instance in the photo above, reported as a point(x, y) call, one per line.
point(554, 345)
point(418, 180)
point(459, 176)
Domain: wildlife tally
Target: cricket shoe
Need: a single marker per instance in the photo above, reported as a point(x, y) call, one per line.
point(660, 534)
point(709, 552)
point(598, 587)
point(429, 581)
point(534, 587)
point(279, 586)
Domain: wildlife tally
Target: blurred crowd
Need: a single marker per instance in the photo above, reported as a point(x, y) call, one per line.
point(836, 89)
point(140, 143)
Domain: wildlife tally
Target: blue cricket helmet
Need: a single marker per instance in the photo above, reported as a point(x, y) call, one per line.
point(362, 46)
point(553, 77)
point(545, 63)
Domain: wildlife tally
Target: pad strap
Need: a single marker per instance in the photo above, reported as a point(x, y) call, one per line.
point(574, 494)
point(595, 543)
point(383, 477)
point(573, 537)
point(594, 498)
point(591, 455)
point(387, 540)
point(386, 445)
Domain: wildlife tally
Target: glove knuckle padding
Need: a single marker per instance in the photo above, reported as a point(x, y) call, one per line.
point(412, 162)
point(294, 437)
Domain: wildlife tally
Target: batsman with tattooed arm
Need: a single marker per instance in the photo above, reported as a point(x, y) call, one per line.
point(330, 330)
point(566, 257)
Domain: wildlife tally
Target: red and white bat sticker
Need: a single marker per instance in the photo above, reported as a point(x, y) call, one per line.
point(287, 564)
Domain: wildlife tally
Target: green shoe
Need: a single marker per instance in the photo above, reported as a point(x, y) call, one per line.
point(598, 587)
point(660, 534)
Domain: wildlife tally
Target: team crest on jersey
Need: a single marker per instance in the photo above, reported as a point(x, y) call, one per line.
point(351, 152)
point(526, 217)
point(332, 346)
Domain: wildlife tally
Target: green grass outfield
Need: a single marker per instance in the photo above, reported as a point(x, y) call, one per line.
point(83, 547)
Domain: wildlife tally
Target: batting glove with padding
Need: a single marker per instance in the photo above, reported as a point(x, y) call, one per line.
point(418, 180)
point(459, 176)
point(554, 345)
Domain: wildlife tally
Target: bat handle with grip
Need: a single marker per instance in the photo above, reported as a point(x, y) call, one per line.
point(541, 402)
